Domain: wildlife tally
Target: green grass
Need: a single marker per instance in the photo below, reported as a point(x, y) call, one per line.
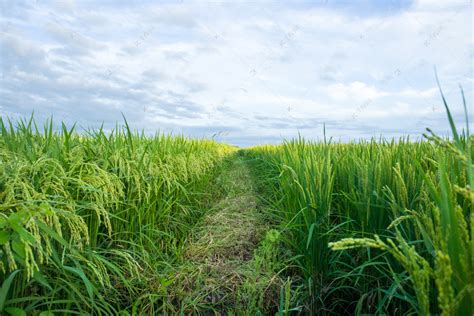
point(88, 220)
point(230, 263)
point(400, 210)
point(123, 223)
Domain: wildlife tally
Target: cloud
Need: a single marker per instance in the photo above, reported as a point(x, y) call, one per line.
point(427, 93)
point(242, 73)
point(356, 91)
point(71, 41)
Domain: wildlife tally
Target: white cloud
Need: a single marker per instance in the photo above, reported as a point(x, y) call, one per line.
point(355, 91)
point(412, 93)
point(440, 4)
point(265, 70)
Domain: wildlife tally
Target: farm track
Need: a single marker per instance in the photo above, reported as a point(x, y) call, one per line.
point(232, 229)
point(219, 259)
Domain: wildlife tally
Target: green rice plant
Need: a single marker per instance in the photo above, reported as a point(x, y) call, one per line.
point(445, 231)
point(86, 218)
point(98, 222)
point(415, 195)
point(325, 191)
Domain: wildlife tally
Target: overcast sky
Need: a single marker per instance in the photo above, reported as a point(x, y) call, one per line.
point(246, 72)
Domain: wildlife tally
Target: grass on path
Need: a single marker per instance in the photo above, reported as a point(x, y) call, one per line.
point(230, 261)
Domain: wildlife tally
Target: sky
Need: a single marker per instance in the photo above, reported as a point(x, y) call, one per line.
point(243, 72)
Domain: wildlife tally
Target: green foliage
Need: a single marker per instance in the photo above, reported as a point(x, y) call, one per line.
point(85, 220)
point(415, 195)
point(123, 224)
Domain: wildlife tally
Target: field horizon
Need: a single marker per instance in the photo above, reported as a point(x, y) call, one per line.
point(194, 157)
point(124, 223)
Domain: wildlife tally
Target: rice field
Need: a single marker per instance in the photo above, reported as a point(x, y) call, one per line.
point(120, 223)
point(377, 227)
point(85, 218)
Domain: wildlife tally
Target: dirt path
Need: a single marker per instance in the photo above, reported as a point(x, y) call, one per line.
point(225, 265)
